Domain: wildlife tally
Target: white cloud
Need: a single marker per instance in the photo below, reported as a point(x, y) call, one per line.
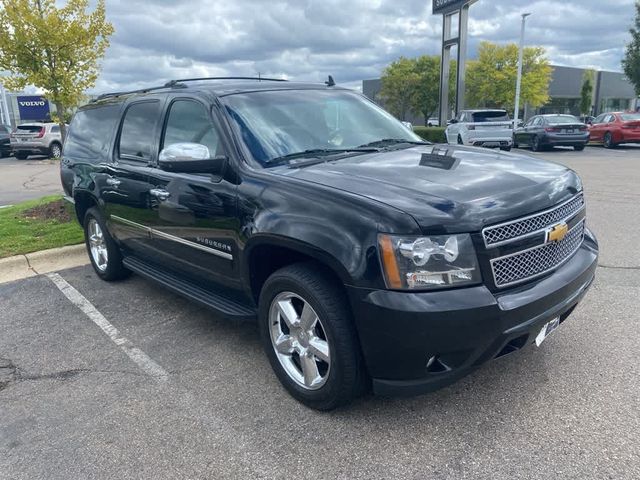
point(157, 40)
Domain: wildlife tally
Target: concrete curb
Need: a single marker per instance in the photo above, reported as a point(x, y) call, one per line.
point(46, 261)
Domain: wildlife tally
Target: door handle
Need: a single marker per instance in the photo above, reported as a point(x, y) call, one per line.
point(114, 182)
point(160, 194)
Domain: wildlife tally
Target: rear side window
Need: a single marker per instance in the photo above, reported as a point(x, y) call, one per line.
point(89, 135)
point(481, 117)
point(138, 128)
point(55, 129)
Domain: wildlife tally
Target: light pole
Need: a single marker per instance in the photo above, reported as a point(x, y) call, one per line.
point(519, 81)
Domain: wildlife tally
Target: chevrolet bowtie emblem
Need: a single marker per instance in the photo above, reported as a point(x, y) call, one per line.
point(557, 233)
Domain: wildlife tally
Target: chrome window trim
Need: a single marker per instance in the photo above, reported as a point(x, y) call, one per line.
point(581, 224)
point(158, 234)
point(528, 217)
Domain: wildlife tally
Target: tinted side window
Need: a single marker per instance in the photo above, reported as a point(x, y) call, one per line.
point(55, 129)
point(137, 134)
point(89, 135)
point(189, 122)
point(600, 119)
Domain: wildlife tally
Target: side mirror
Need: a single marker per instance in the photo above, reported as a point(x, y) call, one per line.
point(190, 158)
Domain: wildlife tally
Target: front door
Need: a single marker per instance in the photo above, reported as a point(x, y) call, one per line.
point(194, 223)
point(124, 183)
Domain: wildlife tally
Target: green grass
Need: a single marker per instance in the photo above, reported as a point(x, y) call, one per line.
point(19, 235)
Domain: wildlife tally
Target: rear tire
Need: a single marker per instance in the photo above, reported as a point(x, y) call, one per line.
point(505, 149)
point(578, 148)
point(21, 156)
point(55, 150)
point(103, 251)
point(322, 381)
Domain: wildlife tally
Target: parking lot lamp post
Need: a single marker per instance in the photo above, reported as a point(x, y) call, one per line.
point(519, 80)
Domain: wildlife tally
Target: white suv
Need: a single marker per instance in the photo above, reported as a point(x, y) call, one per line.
point(481, 128)
point(36, 139)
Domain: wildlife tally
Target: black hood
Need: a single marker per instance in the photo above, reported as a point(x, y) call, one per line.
point(462, 192)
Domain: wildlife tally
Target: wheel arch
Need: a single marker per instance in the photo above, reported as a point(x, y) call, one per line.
point(83, 201)
point(265, 254)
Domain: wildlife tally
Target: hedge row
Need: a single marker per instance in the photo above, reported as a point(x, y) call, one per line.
point(431, 134)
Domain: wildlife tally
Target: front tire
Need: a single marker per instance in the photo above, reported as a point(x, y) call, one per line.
point(309, 337)
point(103, 251)
point(535, 144)
point(608, 141)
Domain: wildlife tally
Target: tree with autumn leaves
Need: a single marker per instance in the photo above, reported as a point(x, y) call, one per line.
point(54, 49)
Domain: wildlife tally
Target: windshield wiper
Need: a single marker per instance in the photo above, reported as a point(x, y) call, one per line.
point(318, 153)
point(388, 142)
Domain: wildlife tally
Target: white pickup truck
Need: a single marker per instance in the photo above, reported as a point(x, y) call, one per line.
point(481, 128)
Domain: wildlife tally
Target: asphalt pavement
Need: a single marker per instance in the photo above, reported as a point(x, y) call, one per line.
point(75, 403)
point(29, 179)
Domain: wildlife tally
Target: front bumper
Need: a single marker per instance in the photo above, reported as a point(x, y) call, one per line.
point(400, 332)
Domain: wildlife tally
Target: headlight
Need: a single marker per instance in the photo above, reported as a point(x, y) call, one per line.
point(422, 263)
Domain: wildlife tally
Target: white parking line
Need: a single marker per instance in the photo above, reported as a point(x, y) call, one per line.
point(143, 361)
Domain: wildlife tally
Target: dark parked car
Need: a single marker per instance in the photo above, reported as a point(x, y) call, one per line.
point(612, 129)
point(369, 259)
point(5, 147)
point(548, 131)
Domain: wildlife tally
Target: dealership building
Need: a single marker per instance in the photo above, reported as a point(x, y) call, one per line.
point(612, 92)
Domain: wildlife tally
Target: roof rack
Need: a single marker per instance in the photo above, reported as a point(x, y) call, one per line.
point(118, 94)
point(174, 83)
point(178, 84)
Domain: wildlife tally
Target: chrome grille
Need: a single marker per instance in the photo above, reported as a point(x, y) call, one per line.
point(506, 232)
point(527, 264)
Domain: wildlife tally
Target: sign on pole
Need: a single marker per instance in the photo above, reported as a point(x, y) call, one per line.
point(448, 9)
point(440, 7)
point(33, 107)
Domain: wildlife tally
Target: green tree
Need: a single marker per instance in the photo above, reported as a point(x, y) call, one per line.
point(631, 61)
point(586, 92)
point(55, 49)
point(491, 79)
point(427, 94)
point(399, 85)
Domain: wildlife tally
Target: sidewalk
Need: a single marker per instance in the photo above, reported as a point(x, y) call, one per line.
point(46, 261)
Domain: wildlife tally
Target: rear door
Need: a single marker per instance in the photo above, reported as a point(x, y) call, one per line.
point(125, 182)
point(194, 222)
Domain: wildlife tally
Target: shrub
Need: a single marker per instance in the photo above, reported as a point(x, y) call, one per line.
point(431, 134)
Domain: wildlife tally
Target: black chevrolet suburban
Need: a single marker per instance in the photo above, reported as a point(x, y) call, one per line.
point(369, 258)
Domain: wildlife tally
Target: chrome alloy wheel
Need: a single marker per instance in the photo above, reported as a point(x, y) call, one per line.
point(299, 340)
point(97, 245)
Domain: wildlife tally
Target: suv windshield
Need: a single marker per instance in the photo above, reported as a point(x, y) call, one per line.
point(481, 117)
point(276, 124)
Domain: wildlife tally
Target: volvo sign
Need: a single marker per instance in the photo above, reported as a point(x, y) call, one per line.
point(33, 107)
point(441, 7)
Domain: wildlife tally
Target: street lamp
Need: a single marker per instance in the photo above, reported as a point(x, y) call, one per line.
point(519, 81)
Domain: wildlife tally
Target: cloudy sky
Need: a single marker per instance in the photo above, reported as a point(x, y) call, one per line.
point(156, 40)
